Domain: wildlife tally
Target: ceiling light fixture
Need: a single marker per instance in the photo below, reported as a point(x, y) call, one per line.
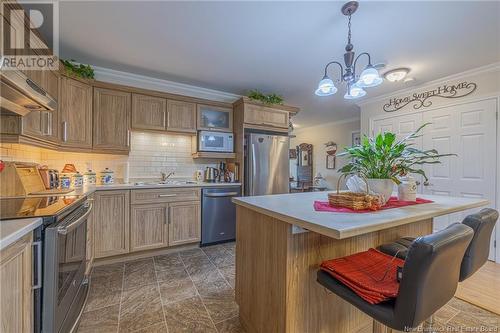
point(397, 74)
point(355, 85)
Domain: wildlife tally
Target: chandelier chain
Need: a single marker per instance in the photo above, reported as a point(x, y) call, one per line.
point(349, 30)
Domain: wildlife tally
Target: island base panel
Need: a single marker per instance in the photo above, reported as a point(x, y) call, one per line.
point(276, 286)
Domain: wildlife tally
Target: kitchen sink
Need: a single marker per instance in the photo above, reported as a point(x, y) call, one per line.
point(168, 182)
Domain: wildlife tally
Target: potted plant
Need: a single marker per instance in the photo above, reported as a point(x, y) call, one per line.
point(383, 158)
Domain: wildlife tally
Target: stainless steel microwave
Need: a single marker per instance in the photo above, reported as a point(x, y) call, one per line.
point(215, 141)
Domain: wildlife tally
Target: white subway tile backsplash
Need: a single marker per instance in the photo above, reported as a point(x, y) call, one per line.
point(150, 154)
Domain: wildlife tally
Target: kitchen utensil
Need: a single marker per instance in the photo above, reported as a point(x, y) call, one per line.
point(211, 174)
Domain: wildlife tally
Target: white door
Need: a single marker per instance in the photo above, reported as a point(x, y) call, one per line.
point(468, 130)
point(402, 126)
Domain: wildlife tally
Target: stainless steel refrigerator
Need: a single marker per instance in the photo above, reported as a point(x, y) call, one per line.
point(267, 168)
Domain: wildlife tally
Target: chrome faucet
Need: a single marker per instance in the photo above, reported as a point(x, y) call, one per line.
point(165, 176)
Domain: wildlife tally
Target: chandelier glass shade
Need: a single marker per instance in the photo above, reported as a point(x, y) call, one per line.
point(368, 78)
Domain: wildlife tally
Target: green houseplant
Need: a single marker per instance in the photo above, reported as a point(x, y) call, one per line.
point(383, 158)
point(266, 99)
point(78, 70)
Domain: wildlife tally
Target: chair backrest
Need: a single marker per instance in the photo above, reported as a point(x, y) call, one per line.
point(476, 254)
point(430, 274)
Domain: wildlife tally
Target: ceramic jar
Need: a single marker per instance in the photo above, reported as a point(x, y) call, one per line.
point(90, 178)
point(407, 190)
point(77, 180)
point(65, 181)
point(107, 177)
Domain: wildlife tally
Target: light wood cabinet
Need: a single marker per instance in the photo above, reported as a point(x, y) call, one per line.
point(265, 116)
point(212, 118)
point(111, 119)
point(165, 195)
point(90, 237)
point(111, 223)
point(184, 222)
point(181, 116)
point(148, 227)
point(15, 286)
point(75, 113)
point(149, 112)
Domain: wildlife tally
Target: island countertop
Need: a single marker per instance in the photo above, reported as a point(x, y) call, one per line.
point(297, 209)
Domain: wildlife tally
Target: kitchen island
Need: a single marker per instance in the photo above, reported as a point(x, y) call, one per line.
point(281, 241)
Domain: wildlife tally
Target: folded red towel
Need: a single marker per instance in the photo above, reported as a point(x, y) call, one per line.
point(370, 274)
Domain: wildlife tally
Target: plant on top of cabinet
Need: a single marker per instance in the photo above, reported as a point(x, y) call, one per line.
point(77, 70)
point(215, 118)
point(266, 99)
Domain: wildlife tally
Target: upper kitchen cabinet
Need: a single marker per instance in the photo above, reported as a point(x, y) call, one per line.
point(75, 113)
point(254, 114)
point(148, 112)
point(181, 116)
point(214, 118)
point(111, 120)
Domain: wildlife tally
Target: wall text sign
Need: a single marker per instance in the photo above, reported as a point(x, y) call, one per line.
point(419, 100)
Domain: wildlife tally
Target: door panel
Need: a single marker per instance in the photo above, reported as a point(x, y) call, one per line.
point(468, 130)
point(181, 116)
point(184, 223)
point(148, 227)
point(148, 112)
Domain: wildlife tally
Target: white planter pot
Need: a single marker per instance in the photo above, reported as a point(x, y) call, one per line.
point(381, 186)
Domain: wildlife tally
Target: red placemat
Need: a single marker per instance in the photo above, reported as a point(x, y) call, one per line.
point(324, 206)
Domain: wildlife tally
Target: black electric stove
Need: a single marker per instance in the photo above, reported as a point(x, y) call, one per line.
point(60, 286)
point(37, 206)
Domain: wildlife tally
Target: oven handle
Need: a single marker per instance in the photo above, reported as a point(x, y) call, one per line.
point(38, 246)
point(80, 220)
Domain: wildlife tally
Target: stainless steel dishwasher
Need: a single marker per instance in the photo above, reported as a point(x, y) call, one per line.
point(218, 214)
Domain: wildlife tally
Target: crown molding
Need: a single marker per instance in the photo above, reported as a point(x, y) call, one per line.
point(494, 67)
point(331, 123)
point(146, 82)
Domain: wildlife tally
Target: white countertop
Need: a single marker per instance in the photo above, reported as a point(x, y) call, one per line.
point(86, 190)
point(297, 209)
point(12, 230)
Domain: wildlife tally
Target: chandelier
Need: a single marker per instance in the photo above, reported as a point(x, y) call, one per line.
point(355, 85)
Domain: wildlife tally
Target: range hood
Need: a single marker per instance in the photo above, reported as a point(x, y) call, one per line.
point(20, 95)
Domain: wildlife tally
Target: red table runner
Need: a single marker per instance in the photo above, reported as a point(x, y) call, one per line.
point(324, 206)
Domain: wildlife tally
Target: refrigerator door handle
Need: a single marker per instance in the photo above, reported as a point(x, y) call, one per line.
point(253, 168)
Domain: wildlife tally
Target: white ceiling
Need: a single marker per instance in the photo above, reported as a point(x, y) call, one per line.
point(279, 47)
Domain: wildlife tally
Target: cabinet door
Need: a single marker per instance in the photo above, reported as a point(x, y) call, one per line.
point(50, 119)
point(15, 284)
point(215, 118)
point(148, 227)
point(184, 223)
point(261, 115)
point(181, 116)
point(90, 238)
point(148, 112)
point(111, 119)
point(75, 112)
point(32, 124)
point(111, 223)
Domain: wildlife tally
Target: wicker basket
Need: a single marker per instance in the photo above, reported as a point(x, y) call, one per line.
point(354, 200)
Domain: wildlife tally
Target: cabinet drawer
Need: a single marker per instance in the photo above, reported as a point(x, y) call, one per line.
point(165, 195)
point(261, 115)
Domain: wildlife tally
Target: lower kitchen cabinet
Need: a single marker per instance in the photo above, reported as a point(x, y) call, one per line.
point(184, 222)
point(90, 238)
point(148, 227)
point(15, 286)
point(111, 223)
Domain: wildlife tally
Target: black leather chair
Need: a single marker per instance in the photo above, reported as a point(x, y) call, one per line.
point(476, 254)
point(429, 281)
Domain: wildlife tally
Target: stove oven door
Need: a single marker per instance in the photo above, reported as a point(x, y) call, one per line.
point(65, 285)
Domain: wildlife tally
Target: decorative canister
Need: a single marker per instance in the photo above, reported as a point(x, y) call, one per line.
point(65, 181)
point(407, 190)
point(77, 180)
point(107, 177)
point(89, 178)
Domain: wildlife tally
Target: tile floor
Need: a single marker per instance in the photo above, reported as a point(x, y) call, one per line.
point(193, 291)
point(189, 291)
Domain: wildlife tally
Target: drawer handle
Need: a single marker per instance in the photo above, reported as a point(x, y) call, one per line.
point(166, 195)
point(218, 195)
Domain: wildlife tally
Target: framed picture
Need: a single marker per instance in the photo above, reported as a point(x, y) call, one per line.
point(330, 161)
point(293, 154)
point(356, 138)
